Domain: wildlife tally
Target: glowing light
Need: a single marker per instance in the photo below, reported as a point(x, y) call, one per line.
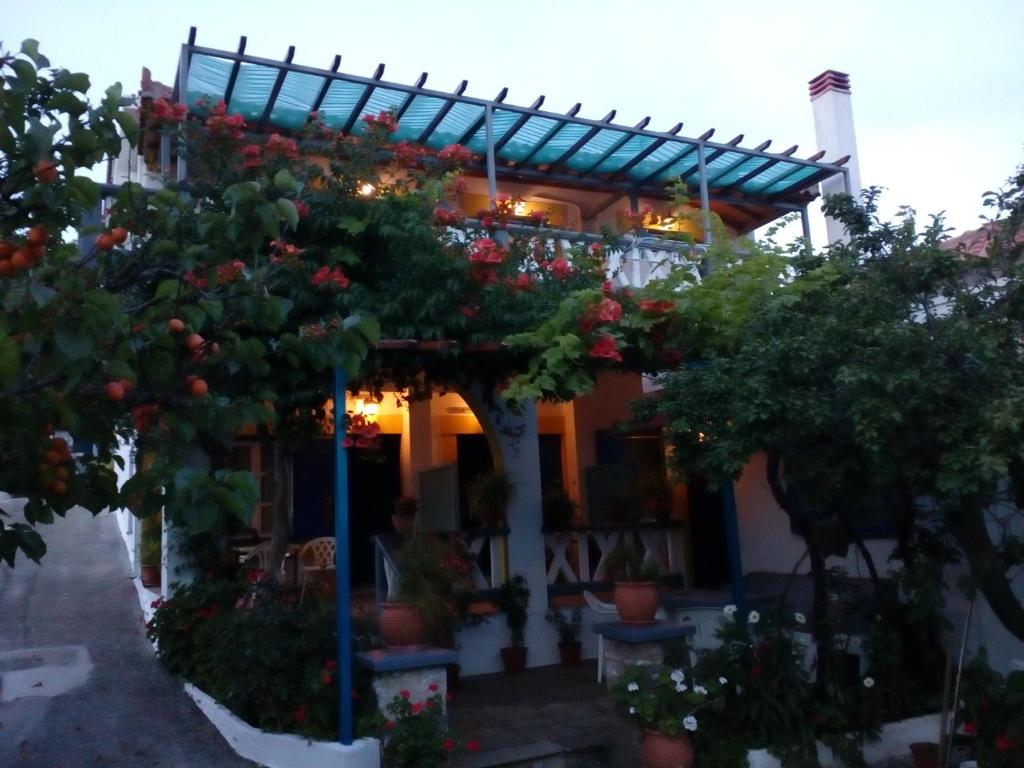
point(366, 189)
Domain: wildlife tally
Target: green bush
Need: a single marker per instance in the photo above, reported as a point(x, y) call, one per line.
point(257, 651)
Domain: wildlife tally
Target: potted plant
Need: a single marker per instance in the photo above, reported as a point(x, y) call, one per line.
point(403, 515)
point(568, 634)
point(665, 704)
point(513, 599)
point(415, 734)
point(636, 585)
point(558, 510)
point(420, 596)
point(489, 497)
point(150, 551)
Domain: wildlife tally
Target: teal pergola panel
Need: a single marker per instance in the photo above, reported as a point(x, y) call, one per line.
point(587, 152)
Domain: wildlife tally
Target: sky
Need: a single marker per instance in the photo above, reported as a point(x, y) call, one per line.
point(938, 85)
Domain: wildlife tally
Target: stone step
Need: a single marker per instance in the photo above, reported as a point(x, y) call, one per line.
point(540, 754)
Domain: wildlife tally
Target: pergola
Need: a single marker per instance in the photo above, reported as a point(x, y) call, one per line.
point(749, 186)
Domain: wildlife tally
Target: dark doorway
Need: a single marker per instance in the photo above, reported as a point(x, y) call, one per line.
point(707, 529)
point(551, 477)
point(473, 455)
point(374, 482)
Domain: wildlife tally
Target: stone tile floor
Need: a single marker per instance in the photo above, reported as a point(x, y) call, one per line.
point(544, 716)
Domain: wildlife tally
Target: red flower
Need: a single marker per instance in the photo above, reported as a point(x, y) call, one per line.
point(191, 279)
point(484, 274)
point(607, 288)
point(970, 728)
point(559, 267)
point(326, 678)
point(472, 746)
point(404, 694)
point(330, 664)
point(417, 708)
point(485, 251)
point(1003, 743)
point(253, 156)
point(382, 120)
point(325, 276)
point(279, 145)
point(448, 745)
point(609, 311)
point(408, 155)
point(605, 347)
point(455, 155)
point(596, 248)
point(446, 217)
point(300, 713)
point(209, 612)
point(431, 703)
point(302, 209)
point(656, 307)
point(389, 725)
point(433, 687)
point(228, 273)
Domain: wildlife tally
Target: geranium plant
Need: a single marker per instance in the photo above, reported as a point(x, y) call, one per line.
point(992, 712)
point(415, 734)
point(663, 699)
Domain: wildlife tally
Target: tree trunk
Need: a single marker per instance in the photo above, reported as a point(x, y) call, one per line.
point(282, 529)
point(989, 569)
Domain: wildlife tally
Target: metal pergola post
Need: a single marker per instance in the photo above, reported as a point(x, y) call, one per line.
point(705, 203)
point(805, 222)
point(341, 563)
point(492, 173)
point(182, 89)
point(846, 182)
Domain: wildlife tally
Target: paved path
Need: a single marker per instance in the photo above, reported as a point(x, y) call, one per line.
point(87, 691)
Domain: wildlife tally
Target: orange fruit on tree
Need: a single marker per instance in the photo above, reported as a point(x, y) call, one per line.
point(198, 388)
point(174, 325)
point(45, 170)
point(6, 268)
point(52, 457)
point(58, 487)
point(6, 249)
point(38, 235)
point(21, 258)
point(120, 234)
point(104, 242)
point(194, 341)
point(115, 391)
point(128, 384)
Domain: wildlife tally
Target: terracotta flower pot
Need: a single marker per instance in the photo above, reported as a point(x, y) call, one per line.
point(926, 754)
point(636, 601)
point(150, 575)
point(401, 627)
point(661, 751)
point(514, 659)
point(570, 653)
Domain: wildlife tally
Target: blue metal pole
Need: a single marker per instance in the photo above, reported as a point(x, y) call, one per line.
point(341, 562)
point(732, 539)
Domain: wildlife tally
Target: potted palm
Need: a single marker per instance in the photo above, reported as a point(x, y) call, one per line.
point(569, 646)
point(403, 515)
point(150, 551)
point(636, 585)
point(513, 599)
point(558, 510)
point(665, 703)
point(420, 596)
point(489, 497)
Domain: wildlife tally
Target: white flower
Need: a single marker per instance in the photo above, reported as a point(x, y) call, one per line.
point(700, 689)
point(678, 676)
point(680, 687)
point(722, 681)
point(632, 687)
point(729, 610)
point(690, 723)
point(800, 618)
point(869, 682)
point(753, 617)
point(632, 710)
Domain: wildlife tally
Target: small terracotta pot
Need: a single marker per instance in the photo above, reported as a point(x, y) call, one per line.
point(661, 751)
point(636, 601)
point(514, 659)
point(401, 627)
point(570, 653)
point(150, 575)
point(926, 754)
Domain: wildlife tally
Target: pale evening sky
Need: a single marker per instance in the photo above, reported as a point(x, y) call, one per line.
point(938, 85)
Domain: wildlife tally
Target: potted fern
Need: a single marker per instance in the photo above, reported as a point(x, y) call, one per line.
point(569, 646)
point(513, 599)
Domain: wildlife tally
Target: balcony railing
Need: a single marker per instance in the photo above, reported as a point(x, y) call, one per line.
point(637, 260)
point(578, 559)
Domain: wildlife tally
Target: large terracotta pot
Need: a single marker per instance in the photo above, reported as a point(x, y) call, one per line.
point(661, 751)
point(636, 601)
point(150, 575)
point(926, 754)
point(570, 653)
point(514, 658)
point(401, 627)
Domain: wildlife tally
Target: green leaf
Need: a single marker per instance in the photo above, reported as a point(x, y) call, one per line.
point(74, 345)
point(75, 81)
point(65, 101)
point(10, 361)
point(288, 210)
point(268, 215)
point(42, 294)
point(85, 189)
point(30, 48)
point(168, 289)
point(284, 180)
point(351, 225)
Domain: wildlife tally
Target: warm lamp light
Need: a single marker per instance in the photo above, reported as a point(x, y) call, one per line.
point(366, 189)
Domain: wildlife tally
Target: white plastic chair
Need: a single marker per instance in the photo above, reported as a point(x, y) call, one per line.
point(316, 556)
point(607, 609)
point(258, 555)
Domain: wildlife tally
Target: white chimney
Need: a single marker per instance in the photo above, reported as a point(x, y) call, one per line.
point(833, 126)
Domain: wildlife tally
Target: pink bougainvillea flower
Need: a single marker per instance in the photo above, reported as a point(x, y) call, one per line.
point(253, 156)
point(605, 348)
point(408, 155)
point(455, 155)
point(609, 311)
point(280, 145)
point(446, 217)
point(559, 267)
point(382, 120)
point(327, 277)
